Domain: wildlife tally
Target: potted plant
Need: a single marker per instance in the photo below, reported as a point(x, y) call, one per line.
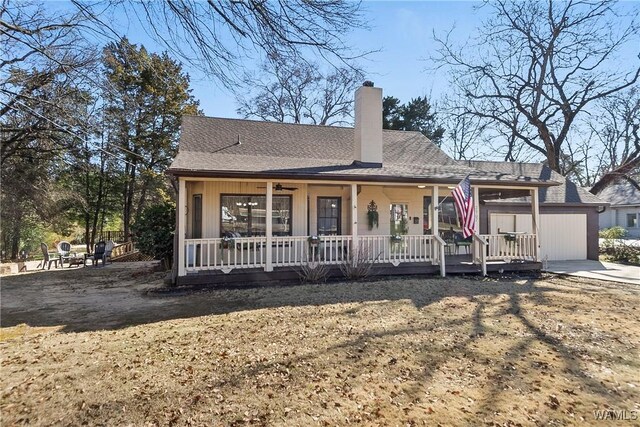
point(313, 240)
point(227, 242)
point(372, 215)
point(396, 238)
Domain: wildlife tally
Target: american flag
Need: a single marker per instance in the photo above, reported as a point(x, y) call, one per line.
point(464, 206)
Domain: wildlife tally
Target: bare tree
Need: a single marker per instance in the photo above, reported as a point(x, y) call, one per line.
point(547, 62)
point(216, 36)
point(298, 92)
point(618, 130)
point(43, 68)
point(464, 131)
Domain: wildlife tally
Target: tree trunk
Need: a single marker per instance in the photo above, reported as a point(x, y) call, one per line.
point(128, 200)
point(15, 237)
point(143, 197)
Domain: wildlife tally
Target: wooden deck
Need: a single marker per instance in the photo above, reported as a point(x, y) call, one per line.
point(455, 264)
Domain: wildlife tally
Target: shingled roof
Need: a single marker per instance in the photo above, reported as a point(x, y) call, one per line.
point(567, 193)
point(621, 192)
point(234, 147)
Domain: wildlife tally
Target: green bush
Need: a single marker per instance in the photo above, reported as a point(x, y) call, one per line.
point(613, 233)
point(154, 232)
point(615, 247)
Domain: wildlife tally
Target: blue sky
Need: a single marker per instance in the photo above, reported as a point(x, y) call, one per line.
point(400, 32)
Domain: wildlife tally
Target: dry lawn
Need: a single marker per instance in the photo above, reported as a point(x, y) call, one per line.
point(413, 351)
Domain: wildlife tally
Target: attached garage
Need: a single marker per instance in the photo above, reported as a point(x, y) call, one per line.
point(562, 236)
point(568, 213)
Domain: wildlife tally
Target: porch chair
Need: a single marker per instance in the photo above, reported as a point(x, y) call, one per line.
point(98, 253)
point(460, 241)
point(48, 258)
point(449, 238)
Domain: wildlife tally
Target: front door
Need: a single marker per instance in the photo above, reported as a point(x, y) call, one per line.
point(399, 219)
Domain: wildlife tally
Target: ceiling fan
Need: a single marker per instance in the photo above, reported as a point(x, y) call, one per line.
point(279, 187)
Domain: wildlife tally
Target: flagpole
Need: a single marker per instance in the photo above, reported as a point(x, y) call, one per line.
point(439, 204)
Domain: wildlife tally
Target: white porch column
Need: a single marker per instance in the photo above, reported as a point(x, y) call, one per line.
point(433, 217)
point(476, 208)
point(182, 225)
point(535, 220)
point(434, 210)
point(354, 221)
point(475, 246)
point(269, 228)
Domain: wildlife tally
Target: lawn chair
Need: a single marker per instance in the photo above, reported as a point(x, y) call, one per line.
point(49, 258)
point(98, 253)
point(107, 250)
point(71, 258)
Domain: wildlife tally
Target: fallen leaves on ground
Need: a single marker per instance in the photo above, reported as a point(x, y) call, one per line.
point(394, 352)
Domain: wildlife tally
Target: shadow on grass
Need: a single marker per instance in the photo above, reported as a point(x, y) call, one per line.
point(113, 298)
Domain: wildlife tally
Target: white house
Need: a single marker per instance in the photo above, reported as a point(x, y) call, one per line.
point(257, 199)
point(624, 211)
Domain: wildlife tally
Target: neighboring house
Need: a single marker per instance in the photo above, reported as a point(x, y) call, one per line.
point(317, 184)
point(624, 211)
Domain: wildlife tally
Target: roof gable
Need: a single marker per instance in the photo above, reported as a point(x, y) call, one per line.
point(621, 192)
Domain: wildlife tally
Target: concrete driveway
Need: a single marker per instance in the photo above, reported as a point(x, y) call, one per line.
point(597, 270)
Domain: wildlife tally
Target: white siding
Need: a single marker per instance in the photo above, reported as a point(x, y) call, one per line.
point(211, 192)
point(304, 201)
point(617, 216)
point(383, 197)
point(341, 191)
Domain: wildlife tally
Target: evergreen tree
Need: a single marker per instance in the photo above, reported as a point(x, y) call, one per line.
point(416, 115)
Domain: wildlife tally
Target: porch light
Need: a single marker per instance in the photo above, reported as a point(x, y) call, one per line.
point(422, 186)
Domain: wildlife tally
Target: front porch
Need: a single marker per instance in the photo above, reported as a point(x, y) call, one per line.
point(227, 234)
point(210, 259)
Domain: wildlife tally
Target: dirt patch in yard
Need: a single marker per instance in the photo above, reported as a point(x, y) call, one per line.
point(418, 351)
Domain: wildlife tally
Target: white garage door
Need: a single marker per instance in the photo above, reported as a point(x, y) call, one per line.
point(562, 236)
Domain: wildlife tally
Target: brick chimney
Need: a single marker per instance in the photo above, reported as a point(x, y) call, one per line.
point(368, 128)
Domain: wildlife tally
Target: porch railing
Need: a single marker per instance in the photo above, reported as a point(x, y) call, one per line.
point(250, 252)
point(388, 249)
point(224, 254)
point(511, 246)
point(296, 250)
